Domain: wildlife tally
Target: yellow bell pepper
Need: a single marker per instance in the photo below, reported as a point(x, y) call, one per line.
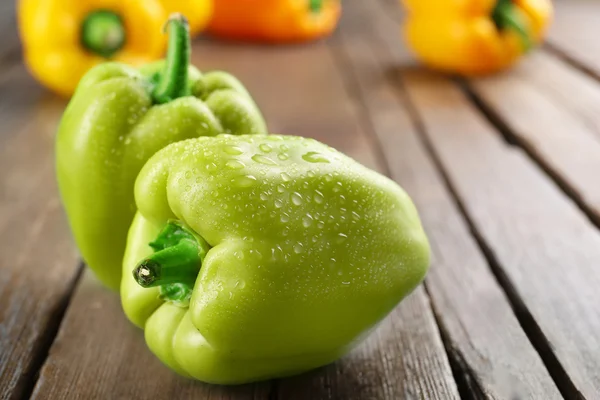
point(62, 39)
point(474, 37)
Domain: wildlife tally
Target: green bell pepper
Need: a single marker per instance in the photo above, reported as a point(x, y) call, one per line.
point(254, 257)
point(118, 118)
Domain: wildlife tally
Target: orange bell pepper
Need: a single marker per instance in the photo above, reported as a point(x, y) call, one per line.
point(274, 20)
point(474, 37)
point(62, 39)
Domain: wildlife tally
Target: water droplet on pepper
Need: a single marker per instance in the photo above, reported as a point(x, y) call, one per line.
point(314, 157)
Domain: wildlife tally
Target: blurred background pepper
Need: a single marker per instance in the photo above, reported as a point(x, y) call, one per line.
point(473, 37)
point(274, 21)
point(62, 39)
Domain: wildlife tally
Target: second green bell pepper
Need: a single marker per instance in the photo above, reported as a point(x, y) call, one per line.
point(254, 257)
point(118, 118)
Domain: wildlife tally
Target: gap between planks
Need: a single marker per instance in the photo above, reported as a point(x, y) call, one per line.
point(541, 81)
point(573, 34)
point(543, 163)
point(567, 387)
point(39, 267)
point(571, 60)
point(533, 106)
point(386, 115)
point(525, 318)
point(52, 328)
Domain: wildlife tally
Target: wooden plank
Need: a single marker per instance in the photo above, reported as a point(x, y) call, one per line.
point(564, 141)
point(302, 93)
point(298, 89)
point(98, 354)
point(39, 262)
point(547, 252)
point(492, 353)
point(559, 130)
point(574, 33)
point(402, 359)
point(10, 44)
point(394, 9)
point(577, 92)
point(22, 96)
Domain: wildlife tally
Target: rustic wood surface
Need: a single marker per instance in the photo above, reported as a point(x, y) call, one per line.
point(574, 33)
point(537, 106)
point(39, 263)
point(504, 171)
point(524, 224)
point(467, 300)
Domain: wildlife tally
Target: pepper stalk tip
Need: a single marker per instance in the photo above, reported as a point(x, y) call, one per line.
point(173, 81)
point(145, 273)
point(176, 16)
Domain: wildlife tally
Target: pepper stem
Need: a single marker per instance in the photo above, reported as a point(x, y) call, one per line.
point(171, 234)
point(103, 33)
point(176, 264)
point(316, 5)
point(507, 15)
point(173, 81)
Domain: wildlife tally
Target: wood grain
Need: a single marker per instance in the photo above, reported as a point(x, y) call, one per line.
point(402, 359)
point(39, 262)
point(484, 336)
point(552, 111)
point(98, 354)
point(298, 88)
point(574, 33)
point(302, 93)
point(579, 93)
point(547, 252)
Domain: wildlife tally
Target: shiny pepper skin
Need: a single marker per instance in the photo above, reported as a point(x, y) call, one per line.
point(284, 255)
point(58, 52)
point(118, 118)
point(474, 37)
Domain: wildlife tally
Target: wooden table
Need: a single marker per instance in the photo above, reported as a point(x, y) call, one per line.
point(504, 170)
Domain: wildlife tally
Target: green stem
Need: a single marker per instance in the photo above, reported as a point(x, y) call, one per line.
point(507, 15)
point(171, 234)
point(176, 264)
point(103, 33)
point(179, 293)
point(173, 81)
point(316, 5)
